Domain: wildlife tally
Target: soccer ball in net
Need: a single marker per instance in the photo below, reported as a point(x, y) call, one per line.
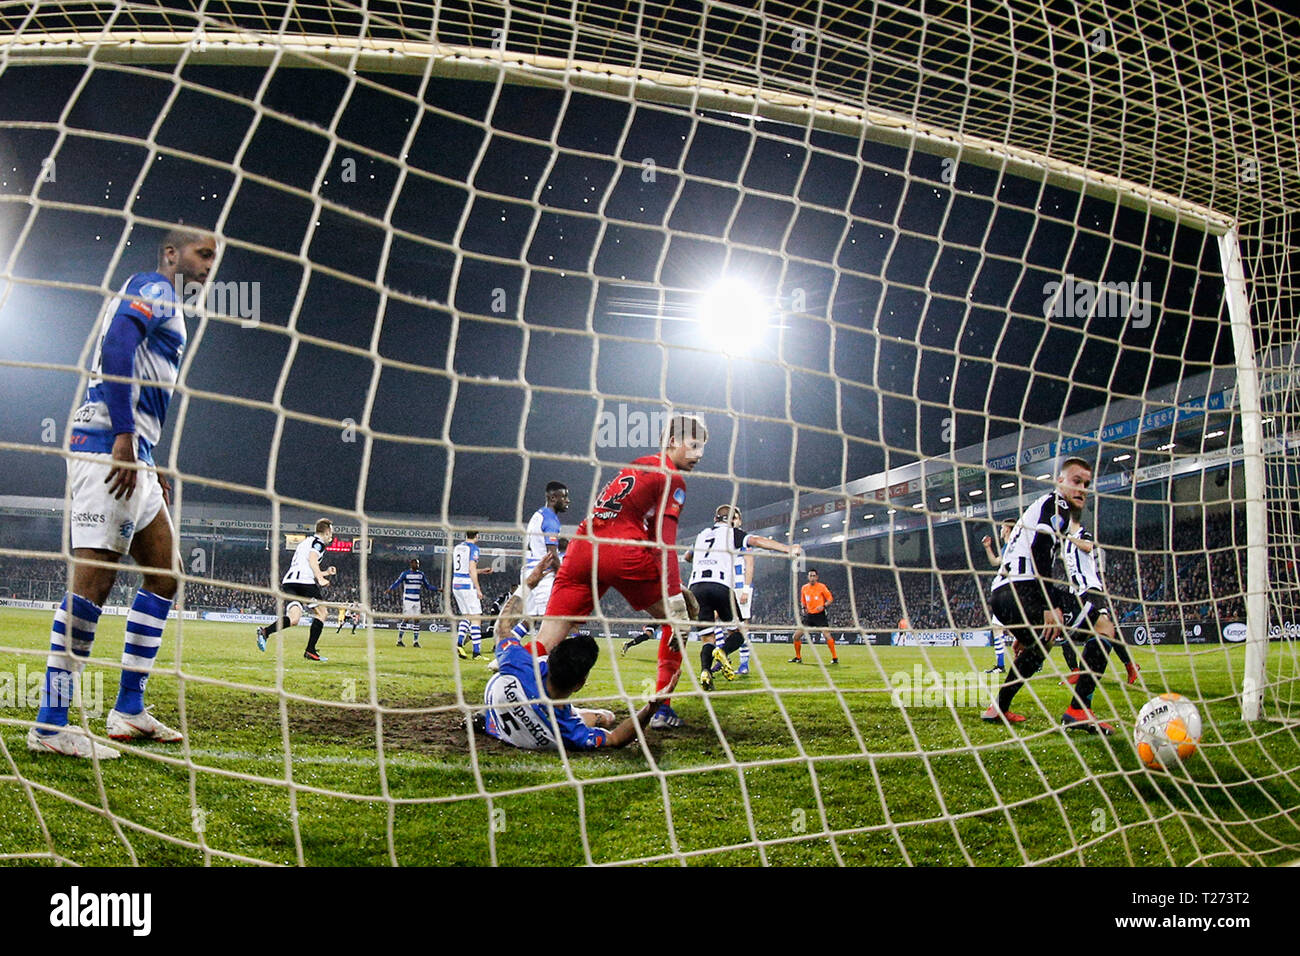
point(1168, 730)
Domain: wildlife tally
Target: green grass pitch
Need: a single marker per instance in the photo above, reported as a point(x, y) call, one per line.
point(793, 765)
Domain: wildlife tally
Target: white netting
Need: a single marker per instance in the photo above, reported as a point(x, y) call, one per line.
point(465, 251)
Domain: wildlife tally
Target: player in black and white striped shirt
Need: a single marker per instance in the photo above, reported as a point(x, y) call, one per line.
point(713, 582)
point(1090, 619)
point(1023, 596)
point(304, 581)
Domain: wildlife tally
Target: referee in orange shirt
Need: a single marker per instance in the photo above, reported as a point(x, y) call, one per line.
point(814, 596)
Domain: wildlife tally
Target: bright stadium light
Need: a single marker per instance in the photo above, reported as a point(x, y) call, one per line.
point(733, 316)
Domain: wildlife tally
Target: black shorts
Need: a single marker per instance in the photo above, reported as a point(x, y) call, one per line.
point(1019, 605)
point(716, 602)
point(1085, 610)
point(306, 594)
point(817, 620)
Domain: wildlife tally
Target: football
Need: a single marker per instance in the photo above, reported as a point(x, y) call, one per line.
point(1168, 730)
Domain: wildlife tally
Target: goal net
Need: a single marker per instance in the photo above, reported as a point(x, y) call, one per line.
point(903, 259)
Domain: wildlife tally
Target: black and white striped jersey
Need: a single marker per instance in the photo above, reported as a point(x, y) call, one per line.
point(1035, 541)
point(300, 571)
point(714, 555)
point(1084, 568)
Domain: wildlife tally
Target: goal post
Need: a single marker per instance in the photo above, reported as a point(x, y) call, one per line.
point(1254, 680)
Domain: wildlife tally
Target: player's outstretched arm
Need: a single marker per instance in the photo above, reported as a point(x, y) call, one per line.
point(994, 560)
point(625, 732)
point(768, 544)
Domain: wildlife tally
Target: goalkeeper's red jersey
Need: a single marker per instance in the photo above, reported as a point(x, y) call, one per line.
point(642, 503)
point(637, 514)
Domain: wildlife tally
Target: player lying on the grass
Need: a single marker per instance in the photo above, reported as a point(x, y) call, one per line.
point(814, 597)
point(713, 582)
point(117, 507)
point(1023, 596)
point(524, 699)
point(304, 582)
point(995, 559)
point(412, 581)
point(627, 543)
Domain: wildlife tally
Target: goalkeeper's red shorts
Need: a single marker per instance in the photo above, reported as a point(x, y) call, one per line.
point(636, 573)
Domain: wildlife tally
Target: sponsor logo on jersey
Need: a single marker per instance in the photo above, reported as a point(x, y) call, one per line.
point(679, 496)
point(88, 517)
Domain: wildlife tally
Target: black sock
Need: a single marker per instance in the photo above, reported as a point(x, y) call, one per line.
point(1071, 659)
point(733, 643)
point(1120, 650)
point(706, 656)
point(275, 625)
point(1094, 661)
point(317, 625)
point(1022, 668)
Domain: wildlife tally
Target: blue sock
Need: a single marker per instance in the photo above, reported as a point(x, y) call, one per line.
point(744, 658)
point(144, 626)
point(67, 653)
point(520, 631)
point(463, 632)
point(476, 636)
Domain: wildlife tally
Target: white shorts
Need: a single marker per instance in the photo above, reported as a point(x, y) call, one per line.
point(746, 607)
point(410, 608)
point(536, 599)
point(98, 519)
point(467, 601)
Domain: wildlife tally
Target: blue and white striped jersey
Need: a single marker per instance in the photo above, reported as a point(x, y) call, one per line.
point(138, 339)
point(462, 556)
point(518, 712)
point(543, 532)
point(411, 583)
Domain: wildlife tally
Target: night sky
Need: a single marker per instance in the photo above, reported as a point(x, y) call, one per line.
point(922, 299)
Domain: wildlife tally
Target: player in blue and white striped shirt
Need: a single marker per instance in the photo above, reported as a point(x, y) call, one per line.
point(118, 508)
point(413, 582)
point(468, 594)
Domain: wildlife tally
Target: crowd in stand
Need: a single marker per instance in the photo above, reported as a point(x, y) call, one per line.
point(1199, 579)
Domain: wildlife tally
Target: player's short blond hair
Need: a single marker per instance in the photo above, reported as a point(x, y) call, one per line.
point(683, 427)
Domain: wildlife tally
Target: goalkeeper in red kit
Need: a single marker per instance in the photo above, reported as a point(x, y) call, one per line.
point(627, 543)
